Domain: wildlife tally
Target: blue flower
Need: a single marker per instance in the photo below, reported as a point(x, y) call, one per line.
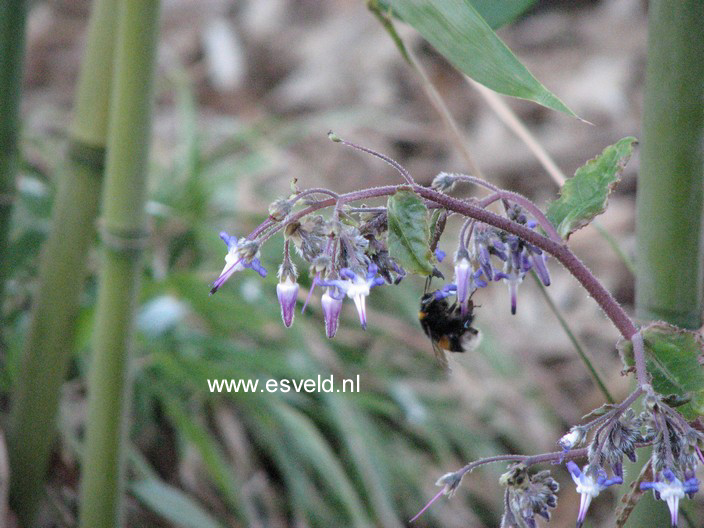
point(356, 287)
point(671, 489)
point(241, 254)
point(467, 279)
point(590, 482)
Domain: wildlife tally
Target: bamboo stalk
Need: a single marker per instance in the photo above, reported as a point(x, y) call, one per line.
point(50, 339)
point(13, 15)
point(124, 234)
point(669, 202)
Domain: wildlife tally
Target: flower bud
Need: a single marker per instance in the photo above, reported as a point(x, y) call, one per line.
point(279, 209)
point(331, 313)
point(443, 181)
point(572, 439)
point(247, 249)
point(450, 482)
point(287, 292)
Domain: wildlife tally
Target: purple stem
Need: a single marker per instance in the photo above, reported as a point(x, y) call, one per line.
point(395, 164)
point(616, 411)
point(315, 190)
point(260, 228)
point(639, 355)
point(528, 206)
point(477, 181)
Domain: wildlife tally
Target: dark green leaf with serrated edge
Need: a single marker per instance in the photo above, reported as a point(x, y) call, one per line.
point(585, 195)
point(673, 359)
point(409, 232)
point(461, 35)
point(496, 13)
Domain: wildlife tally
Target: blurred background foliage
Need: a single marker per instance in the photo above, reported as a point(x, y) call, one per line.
point(245, 94)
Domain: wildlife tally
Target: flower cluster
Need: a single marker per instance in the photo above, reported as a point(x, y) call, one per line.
point(346, 259)
point(476, 267)
point(619, 432)
point(356, 286)
point(347, 255)
point(527, 495)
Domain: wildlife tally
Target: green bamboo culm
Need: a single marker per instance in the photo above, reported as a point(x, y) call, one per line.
point(13, 18)
point(669, 201)
point(50, 339)
point(670, 184)
point(123, 231)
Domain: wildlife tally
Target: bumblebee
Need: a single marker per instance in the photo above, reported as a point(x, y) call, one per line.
point(446, 327)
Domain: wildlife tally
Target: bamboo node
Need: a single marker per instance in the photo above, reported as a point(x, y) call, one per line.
point(123, 240)
point(89, 155)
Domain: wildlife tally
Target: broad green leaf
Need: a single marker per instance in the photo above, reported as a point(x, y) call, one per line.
point(409, 232)
point(172, 504)
point(496, 13)
point(673, 358)
point(461, 35)
point(586, 194)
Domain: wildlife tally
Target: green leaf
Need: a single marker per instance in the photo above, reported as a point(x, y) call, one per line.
point(585, 195)
point(172, 504)
point(461, 35)
point(673, 357)
point(409, 232)
point(310, 445)
point(498, 13)
point(214, 460)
